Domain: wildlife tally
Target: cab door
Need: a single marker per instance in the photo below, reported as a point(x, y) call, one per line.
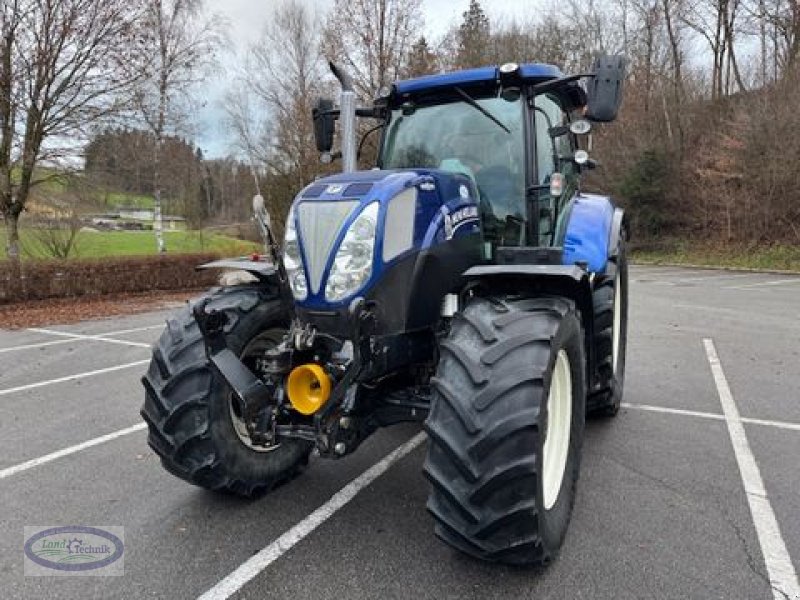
point(553, 155)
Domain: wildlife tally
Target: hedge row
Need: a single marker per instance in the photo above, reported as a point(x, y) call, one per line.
point(64, 279)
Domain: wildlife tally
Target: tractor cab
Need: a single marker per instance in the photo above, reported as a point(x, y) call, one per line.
point(516, 131)
point(505, 136)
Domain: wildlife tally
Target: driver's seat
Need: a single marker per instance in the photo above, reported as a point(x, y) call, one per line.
point(497, 186)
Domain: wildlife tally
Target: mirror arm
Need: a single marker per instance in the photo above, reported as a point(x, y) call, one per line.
point(552, 84)
point(375, 112)
point(371, 113)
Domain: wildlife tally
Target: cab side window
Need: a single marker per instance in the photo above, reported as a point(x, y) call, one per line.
point(548, 114)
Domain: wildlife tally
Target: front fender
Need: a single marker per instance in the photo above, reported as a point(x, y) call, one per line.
point(568, 281)
point(261, 269)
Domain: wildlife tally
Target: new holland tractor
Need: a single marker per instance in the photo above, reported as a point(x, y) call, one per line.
point(466, 282)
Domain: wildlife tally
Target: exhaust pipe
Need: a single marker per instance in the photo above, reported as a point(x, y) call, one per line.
point(347, 118)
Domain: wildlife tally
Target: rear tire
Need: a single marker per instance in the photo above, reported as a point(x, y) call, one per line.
point(493, 493)
point(611, 336)
point(192, 426)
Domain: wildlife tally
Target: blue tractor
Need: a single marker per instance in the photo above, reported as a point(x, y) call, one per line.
point(466, 282)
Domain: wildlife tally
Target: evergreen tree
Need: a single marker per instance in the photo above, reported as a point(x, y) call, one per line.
point(421, 59)
point(473, 38)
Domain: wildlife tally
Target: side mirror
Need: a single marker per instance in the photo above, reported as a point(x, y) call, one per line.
point(605, 88)
point(324, 124)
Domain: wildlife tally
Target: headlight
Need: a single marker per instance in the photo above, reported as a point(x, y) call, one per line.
point(352, 266)
point(292, 261)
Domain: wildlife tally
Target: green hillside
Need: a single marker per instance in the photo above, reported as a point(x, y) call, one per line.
point(92, 244)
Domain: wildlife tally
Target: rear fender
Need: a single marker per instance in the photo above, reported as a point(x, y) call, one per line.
point(568, 281)
point(592, 232)
point(619, 228)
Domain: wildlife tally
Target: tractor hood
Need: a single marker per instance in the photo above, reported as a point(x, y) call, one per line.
point(351, 227)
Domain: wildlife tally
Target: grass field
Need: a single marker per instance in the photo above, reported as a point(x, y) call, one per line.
point(784, 257)
point(137, 243)
point(128, 200)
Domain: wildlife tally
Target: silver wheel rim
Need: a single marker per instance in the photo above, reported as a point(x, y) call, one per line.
point(237, 421)
point(559, 426)
point(241, 431)
point(617, 321)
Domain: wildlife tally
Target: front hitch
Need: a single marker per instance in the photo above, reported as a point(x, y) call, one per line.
point(253, 395)
point(335, 431)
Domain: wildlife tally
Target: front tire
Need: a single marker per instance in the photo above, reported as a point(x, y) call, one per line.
point(193, 425)
point(506, 429)
point(611, 335)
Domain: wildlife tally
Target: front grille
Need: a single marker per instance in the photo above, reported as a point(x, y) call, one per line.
point(320, 224)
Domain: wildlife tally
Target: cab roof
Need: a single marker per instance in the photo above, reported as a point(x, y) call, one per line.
point(530, 73)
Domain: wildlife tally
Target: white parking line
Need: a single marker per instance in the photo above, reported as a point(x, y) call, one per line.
point(714, 277)
point(97, 338)
point(9, 471)
point(755, 286)
point(716, 309)
point(38, 345)
point(116, 331)
point(682, 281)
point(782, 576)
point(658, 269)
point(265, 557)
point(713, 416)
point(30, 386)
point(75, 339)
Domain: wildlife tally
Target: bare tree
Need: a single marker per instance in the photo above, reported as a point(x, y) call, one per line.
point(269, 110)
point(182, 43)
point(715, 21)
point(673, 35)
point(63, 67)
point(286, 72)
point(782, 19)
point(57, 235)
point(372, 39)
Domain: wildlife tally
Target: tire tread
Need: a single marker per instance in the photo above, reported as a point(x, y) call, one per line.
point(179, 386)
point(497, 352)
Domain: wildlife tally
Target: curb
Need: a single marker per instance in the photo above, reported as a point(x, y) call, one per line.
point(712, 267)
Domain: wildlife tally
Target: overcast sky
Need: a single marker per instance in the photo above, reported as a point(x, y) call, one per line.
point(247, 17)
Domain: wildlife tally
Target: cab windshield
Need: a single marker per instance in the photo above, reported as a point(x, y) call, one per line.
point(458, 137)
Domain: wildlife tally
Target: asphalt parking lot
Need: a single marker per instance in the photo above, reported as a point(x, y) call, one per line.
point(693, 491)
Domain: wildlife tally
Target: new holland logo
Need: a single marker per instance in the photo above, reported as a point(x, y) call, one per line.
point(462, 216)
